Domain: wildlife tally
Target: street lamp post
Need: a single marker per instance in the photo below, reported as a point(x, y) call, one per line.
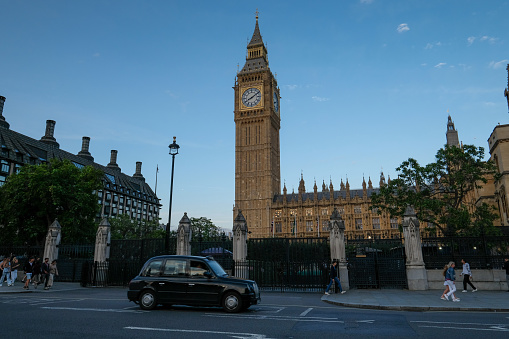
point(174, 150)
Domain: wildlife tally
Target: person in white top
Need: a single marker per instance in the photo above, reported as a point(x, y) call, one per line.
point(467, 274)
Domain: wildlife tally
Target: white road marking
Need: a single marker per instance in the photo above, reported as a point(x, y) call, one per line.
point(232, 334)
point(480, 326)
point(93, 309)
point(303, 314)
point(275, 317)
point(365, 321)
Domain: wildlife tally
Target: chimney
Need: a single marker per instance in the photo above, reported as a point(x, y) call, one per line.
point(113, 160)
point(138, 174)
point(84, 153)
point(3, 123)
point(48, 137)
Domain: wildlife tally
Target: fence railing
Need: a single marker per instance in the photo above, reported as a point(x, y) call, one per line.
point(485, 252)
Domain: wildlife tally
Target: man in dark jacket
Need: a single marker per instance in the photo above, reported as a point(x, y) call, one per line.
point(334, 277)
point(45, 272)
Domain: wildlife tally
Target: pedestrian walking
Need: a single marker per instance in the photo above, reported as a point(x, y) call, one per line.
point(334, 277)
point(14, 270)
point(6, 273)
point(45, 272)
point(506, 267)
point(29, 269)
point(450, 277)
point(446, 267)
point(467, 276)
point(53, 271)
point(36, 273)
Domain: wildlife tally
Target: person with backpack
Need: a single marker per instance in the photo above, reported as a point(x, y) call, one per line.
point(467, 276)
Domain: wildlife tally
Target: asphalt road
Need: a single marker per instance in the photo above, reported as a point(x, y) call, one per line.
point(106, 313)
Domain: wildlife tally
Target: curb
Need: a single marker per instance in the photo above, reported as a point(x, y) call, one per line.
point(416, 308)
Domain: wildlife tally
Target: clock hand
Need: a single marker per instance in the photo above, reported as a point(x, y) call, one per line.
point(251, 97)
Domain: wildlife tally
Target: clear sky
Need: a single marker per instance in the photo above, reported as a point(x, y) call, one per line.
point(365, 84)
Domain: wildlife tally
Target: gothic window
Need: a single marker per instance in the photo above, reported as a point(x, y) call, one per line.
point(325, 211)
point(341, 210)
point(394, 223)
point(374, 210)
point(376, 223)
point(277, 213)
point(309, 212)
point(357, 209)
point(325, 225)
point(293, 213)
point(309, 226)
point(358, 223)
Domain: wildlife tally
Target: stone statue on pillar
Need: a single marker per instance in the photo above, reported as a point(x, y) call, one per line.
point(52, 241)
point(337, 246)
point(240, 246)
point(102, 241)
point(416, 271)
point(184, 234)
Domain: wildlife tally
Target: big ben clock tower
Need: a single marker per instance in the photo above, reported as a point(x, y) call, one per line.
point(257, 124)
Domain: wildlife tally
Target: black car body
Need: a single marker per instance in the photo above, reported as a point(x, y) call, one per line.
point(190, 280)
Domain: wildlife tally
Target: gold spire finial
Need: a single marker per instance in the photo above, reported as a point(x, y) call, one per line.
point(257, 14)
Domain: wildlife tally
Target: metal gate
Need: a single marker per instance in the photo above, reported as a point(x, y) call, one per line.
point(377, 263)
point(287, 264)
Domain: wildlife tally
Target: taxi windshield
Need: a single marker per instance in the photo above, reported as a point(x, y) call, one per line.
point(218, 270)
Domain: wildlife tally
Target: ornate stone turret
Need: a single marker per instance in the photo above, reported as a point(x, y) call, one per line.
point(341, 185)
point(370, 184)
point(451, 134)
point(184, 234)
point(347, 187)
point(102, 241)
point(506, 91)
point(302, 187)
point(416, 272)
point(382, 179)
point(52, 241)
point(363, 184)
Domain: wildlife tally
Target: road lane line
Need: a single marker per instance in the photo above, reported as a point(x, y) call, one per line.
point(270, 317)
point(92, 309)
point(456, 323)
point(303, 314)
point(468, 328)
point(235, 334)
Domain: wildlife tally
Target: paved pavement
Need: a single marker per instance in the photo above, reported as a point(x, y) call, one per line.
point(385, 299)
point(404, 300)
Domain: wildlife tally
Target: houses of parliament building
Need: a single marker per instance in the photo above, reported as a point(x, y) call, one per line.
point(306, 213)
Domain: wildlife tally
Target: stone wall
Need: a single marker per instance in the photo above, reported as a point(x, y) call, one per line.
point(487, 280)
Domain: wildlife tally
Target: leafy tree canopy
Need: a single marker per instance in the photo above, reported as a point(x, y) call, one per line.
point(38, 194)
point(123, 227)
point(439, 191)
point(206, 228)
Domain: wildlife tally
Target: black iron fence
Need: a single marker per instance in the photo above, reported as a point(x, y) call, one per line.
point(220, 248)
point(376, 263)
point(109, 273)
point(484, 252)
point(288, 249)
point(71, 259)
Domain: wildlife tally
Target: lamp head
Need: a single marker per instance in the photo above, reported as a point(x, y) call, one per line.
point(174, 148)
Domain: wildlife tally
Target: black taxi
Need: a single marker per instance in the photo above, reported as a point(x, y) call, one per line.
point(190, 280)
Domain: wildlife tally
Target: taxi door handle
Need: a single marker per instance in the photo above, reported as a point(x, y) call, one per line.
point(191, 284)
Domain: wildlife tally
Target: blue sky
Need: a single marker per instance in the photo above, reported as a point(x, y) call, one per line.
point(365, 84)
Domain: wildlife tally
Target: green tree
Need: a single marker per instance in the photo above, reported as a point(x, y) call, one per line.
point(38, 194)
point(123, 227)
point(206, 228)
point(439, 191)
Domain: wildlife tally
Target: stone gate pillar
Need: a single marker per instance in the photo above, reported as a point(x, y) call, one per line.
point(415, 269)
point(337, 246)
point(240, 246)
point(184, 235)
point(102, 241)
point(52, 241)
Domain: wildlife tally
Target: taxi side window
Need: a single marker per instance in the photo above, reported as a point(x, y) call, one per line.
point(153, 269)
point(174, 267)
point(198, 268)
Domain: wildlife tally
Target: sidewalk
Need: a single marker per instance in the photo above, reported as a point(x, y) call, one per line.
point(404, 300)
point(57, 287)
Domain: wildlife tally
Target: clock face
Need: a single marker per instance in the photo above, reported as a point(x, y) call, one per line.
point(276, 102)
point(251, 97)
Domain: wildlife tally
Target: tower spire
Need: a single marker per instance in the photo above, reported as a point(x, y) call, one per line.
point(451, 134)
